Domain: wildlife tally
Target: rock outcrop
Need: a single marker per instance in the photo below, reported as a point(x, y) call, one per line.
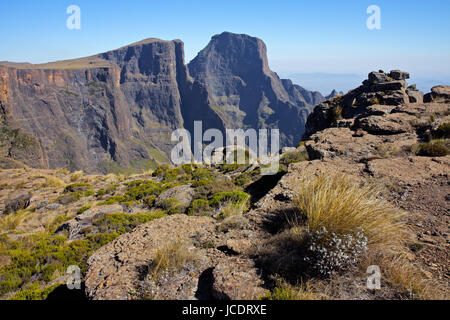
point(370, 142)
point(377, 96)
point(120, 270)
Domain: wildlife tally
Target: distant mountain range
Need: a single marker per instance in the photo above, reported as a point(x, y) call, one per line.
point(116, 110)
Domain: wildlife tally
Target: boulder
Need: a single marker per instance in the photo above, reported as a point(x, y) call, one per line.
point(184, 195)
point(117, 271)
point(19, 203)
point(390, 86)
point(415, 96)
point(438, 94)
point(385, 125)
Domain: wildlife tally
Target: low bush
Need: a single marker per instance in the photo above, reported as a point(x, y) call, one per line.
point(234, 197)
point(432, 149)
point(39, 257)
point(199, 207)
point(121, 223)
point(77, 187)
point(327, 253)
point(34, 292)
point(442, 132)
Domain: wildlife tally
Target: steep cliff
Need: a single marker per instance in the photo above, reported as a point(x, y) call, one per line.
point(116, 111)
point(101, 113)
point(247, 94)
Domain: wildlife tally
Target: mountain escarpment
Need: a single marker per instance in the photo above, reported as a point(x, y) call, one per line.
point(116, 111)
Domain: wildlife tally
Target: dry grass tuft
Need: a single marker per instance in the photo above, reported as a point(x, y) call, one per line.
point(406, 277)
point(340, 205)
point(53, 182)
point(76, 176)
point(171, 256)
point(285, 292)
point(233, 216)
point(12, 221)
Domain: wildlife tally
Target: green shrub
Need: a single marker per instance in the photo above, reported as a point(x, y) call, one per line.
point(139, 191)
point(442, 132)
point(77, 187)
point(83, 209)
point(432, 149)
point(39, 256)
point(170, 205)
point(121, 223)
point(199, 207)
point(34, 292)
point(112, 200)
point(294, 157)
point(234, 197)
point(149, 201)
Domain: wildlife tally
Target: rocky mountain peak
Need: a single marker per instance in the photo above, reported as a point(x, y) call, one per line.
point(246, 93)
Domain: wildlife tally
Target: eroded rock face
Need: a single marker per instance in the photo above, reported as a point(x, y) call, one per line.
point(81, 112)
point(114, 270)
point(120, 269)
point(379, 89)
point(438, 94)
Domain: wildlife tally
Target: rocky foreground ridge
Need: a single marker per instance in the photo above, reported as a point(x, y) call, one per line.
point(116, 110)
point(226, 232)
point(370, 134)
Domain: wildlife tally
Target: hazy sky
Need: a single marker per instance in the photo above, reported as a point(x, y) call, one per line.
point(320, 36)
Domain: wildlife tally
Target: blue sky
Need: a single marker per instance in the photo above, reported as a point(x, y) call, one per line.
point(303, 37)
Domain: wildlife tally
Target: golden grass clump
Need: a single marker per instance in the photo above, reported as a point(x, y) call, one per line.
point(53, 182)
point(286, 292)
point(232, 216)
point(12, 221)
point(77, 175)
point(171, 256)
point(342, 206)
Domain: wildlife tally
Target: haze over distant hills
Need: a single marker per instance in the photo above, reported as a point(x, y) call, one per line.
point(326, 82)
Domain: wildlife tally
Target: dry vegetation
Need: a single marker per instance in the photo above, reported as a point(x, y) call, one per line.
point(340, 205)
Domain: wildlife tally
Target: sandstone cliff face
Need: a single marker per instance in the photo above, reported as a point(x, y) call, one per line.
point(96, 119)
point(118, 109)
point(246, 93)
